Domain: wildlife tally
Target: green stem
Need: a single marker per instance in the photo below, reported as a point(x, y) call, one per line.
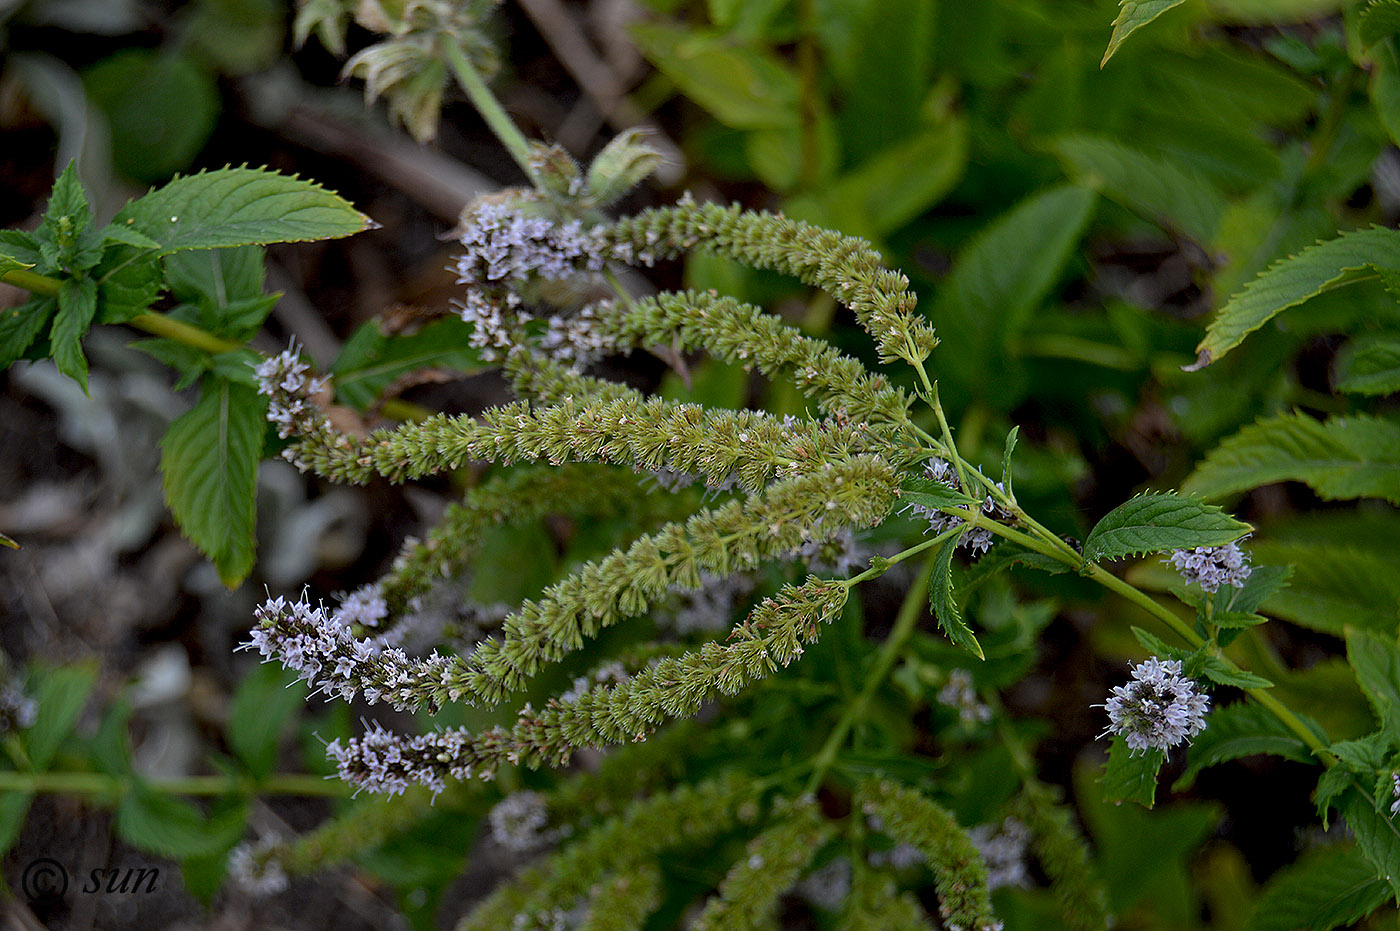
point(183, 333)
point(32, 281)
point(904, 625)
point(70, 783)
point(490, 108)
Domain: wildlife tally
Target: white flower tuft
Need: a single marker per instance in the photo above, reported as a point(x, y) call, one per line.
point(1158, 709)
point(1212, 566)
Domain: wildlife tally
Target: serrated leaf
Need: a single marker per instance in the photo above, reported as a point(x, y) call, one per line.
point(945, 606)
point(259, 714)
point(19, 326)
point(1132, 16)
point(60, 695)
point(1217, 671)
point(77, 306)
point(9, 263)
point(128, 237)
point(1339, 458)
point(1330, 786)
point(1326, 888)
point(1334, 586)
point(998, 281)
point(1364, 755)
point(172, 827)
point(1155, 523)
point(1263, 583)
point(1376, 661)
point(1151, 185)
point(1129, 777)
point(128, 280)
point(1379, 20)
point(924, 491)
point(741, 86)
point(240, 207)
point(226, 285)
point(1291, 281)
point(371, 362)
point(1369, 365)
point(67, 212)
point(1239, 730)
point(209, 467)
point(1376, 834)
point(1158, 647)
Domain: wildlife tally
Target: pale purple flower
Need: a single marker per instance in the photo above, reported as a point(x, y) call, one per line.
point(382, 761)
point(837, 553)
point(285, 380)
point(520, 822)
point(364, 606)
point(1004, 848)
point(975, 539)
point(1158, 709)
point(17, 710)
point(1395, 791)
point(501, 244)
point(961, 693)
point(254, 868)
point(323, 650)
point(1212, 566)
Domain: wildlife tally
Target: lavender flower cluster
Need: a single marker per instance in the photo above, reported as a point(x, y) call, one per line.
point(254, 868)
point(1158, 709)
point(974, 539)
point(960, 693)
point(1004, 848)
point(505, 249)
point(284, 379)
point(519, 822)
point(324, 651)
point(382, 761)
point(1212, 566)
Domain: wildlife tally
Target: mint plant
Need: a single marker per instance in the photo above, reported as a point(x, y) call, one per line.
point(771, 571)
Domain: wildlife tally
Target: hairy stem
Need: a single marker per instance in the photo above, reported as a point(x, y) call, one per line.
point(490, 108)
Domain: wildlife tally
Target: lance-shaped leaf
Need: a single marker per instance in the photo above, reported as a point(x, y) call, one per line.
point(1376, 834)
point(1238, 730)
point(1376, 661)
point(1291, 281)
point(1328, 887)
point(240, 207)
point(209, 463)
point(945, 605)
point(1369, 365)
point(924, 491)
point(1131, 777)
point(1154, 523)
point(1342, 457)
point(1132, 16)
point(77, 305)
point(371, 362)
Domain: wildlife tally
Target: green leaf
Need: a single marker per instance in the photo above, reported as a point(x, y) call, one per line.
point(922, 490)
point(741, 86)
point(1239, 730)
point(1377, 663)
point(1132, 16)
point(1339, 458)
point(371, 361)
point(1379, 20)
point(60, 694)
point(209, 464)
point(1006, 452)
point(1327, 887)
point(77, 305)
point(129, 280)
point(9, 263)
point(1369, 365)
point(945, 606)
point(20, 325)
point(261, 710)
point(1263, 583)
point(1364, 755)
point(1334, 586)
point(14, 806)
point(65, 238)
point(1291, 281)
point(240, 207)
point(238, 36)
point(1129, 777)
point(1000, 279)
point(161, 108)
point(225, 288)
point(1151, 185)
point(882, 194)
point(172, 827)
point(1216, 670)
point(1376, 834)
point(1154, 523)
